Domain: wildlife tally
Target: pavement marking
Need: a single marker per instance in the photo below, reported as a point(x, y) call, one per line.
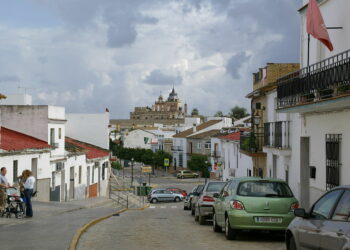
point(163, 207)
point(152, 207)
point(173, 206)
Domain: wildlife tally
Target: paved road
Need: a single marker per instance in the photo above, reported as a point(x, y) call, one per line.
point(54, 232)
point(167, 226)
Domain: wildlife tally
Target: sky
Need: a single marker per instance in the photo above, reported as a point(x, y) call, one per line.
point(87, 55)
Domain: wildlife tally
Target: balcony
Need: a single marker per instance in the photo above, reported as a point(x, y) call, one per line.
point(176, 148)
point(251, 142)
point(276, 134)
point(215, 154)
point(322, 86)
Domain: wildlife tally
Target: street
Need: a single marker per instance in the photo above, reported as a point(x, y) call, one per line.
point(168, 226)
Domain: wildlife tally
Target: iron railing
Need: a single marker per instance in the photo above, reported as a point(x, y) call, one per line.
point(277, 134)
point(325, 79)
point(215, 154)
point(251, 142)
point(176, 148)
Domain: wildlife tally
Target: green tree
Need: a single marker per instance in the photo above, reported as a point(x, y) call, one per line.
point(159, 157)
point(199, 163)
point(219, 114)
point(194, 112)
point(238, 112)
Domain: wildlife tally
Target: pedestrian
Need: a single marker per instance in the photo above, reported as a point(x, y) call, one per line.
point(3, 185)
point(28, 184)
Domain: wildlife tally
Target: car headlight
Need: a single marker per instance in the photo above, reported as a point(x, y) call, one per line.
point(12, 198)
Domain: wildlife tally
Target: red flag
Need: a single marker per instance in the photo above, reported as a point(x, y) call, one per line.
point(315, 25)
point(107, 110)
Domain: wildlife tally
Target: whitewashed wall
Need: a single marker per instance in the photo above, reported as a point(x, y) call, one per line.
point(135, 139)
point(90, 128)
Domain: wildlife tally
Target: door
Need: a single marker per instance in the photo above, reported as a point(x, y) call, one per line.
point(71, 183)
point(168, 195)
point(99, 180)
point(87, 180)
point(310, 229)
point(35, 171)
point(63, 176)
point(304, 172)
point(335, 232)
point(220, 205)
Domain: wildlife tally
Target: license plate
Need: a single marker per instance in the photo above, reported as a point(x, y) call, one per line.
point(268, 220)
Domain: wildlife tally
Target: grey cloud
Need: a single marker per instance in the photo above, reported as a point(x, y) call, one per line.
point(9, 78)
point(235, 63)
point(157, 77)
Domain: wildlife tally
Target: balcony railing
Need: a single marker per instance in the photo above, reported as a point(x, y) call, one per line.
point(215, 154)
point(251, 142)
point(323, 80)
point(276, 134)
point(176, 148)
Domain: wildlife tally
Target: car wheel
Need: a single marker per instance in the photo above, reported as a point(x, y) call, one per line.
point(291, 244)
point(177, 199)
point(216, 227)
point(182, 177)
point(154, 200)
point(229, 232)
point(196, 217)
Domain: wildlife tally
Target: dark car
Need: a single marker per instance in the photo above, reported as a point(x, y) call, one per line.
point(325, 226)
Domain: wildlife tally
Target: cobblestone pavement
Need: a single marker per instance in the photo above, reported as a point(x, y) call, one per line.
point(167, 226)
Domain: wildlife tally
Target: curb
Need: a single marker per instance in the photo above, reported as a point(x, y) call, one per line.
point(74, 242)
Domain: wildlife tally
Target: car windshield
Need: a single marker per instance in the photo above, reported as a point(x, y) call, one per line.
point(215, 186)
point(264, 189)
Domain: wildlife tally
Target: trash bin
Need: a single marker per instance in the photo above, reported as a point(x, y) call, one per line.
point(148, 190)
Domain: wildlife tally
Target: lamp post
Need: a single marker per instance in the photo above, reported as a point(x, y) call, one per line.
point(132, 171)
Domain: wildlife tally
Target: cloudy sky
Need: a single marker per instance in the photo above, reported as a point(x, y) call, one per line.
point(90, 54)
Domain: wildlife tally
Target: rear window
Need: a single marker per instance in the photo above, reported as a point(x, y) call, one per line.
point(264, 189)
point(187, 172)
point(215, 186)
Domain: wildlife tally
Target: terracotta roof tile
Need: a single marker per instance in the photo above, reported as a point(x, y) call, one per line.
point(92, 150)
point(15, 141)
point(207, 134)
point(233, 136)
point(189, 131)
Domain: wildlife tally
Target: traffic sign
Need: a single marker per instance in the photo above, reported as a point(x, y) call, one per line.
point(146, 169)
point(166, 162)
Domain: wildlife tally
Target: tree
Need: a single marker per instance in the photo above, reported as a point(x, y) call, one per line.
point(194, 112)
point(238, 112)
point(199, 163)
point(219, 114)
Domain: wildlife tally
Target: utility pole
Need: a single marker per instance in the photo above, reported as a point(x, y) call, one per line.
point(132, 171)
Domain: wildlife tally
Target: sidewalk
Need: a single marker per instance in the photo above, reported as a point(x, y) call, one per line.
point(46, 209)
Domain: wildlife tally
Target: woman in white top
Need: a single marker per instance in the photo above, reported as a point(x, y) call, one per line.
point(28, 184)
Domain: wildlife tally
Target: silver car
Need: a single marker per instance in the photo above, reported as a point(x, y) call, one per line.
point(164, 195)
point(325, 226)
point(205, 201)
point(188, 199)
point(195, 197)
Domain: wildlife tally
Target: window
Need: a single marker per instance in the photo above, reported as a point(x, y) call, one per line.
point(199, 145)
point(60, 133)
point(207, 145)
point(324, 206)
point(103, 171)
point(342, 212)
point(15, 171)
point(264, 189)
point(215, 186)
point(332, 160)
point(258, 105)
point(287, 176)
point(52, 136)
point(79, 174)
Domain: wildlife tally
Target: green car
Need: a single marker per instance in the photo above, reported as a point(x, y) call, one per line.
point(253, 203)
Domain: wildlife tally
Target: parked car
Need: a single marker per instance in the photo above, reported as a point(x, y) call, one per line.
point(204, 204)
point(186, 174)
point(195, 198)
point(164, 195)
point(325, 226)
point(188, 199)
point(253, 203)
point(178, 190)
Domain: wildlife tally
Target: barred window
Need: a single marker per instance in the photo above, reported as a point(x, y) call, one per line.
point(333, 163)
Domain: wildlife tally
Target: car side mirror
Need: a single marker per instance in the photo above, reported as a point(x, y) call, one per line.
point(216, 195)
point(300, 212)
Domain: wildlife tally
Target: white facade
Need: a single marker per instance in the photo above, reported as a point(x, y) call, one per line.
point(312, 124)
point(90, 128)
point(139, 138)
point(235, 164)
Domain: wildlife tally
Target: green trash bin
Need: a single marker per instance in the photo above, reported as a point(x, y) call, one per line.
point(138, 191)
point(148, 190)
point(141, 191)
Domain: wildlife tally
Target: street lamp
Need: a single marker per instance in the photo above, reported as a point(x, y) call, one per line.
point(132, 171)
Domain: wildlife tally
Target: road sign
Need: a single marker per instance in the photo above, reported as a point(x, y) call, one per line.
point(146, 169)
point(166, 162)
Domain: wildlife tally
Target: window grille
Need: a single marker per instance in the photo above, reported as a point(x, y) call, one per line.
point(333, 163)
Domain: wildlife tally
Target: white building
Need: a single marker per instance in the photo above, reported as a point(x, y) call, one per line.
point(140, 138)
point(90, 128)
point(17, 99)
point(19, 152)
point(318, 101)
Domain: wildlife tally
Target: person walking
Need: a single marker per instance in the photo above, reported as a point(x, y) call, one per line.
point(28, 184)
point(3, 185)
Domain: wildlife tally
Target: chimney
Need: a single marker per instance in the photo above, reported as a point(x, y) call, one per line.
point(194, 129)
point(185, 109)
